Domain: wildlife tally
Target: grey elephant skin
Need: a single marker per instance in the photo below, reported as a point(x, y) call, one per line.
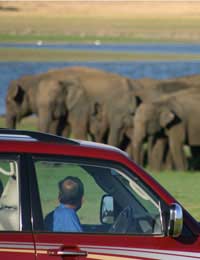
point(47, 95)
point(65, 109)
point(140, 91)
point(111, 103)
point(149, 91)
point(173, 116)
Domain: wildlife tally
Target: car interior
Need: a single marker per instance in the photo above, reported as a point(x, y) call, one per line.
point(130, 214)
point(9, 200)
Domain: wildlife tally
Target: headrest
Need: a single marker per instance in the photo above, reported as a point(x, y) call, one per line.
point(9, 197)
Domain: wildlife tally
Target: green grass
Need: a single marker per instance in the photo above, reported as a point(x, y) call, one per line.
point(29, 123)
point(45, 55)
point(7, 38)
point(184, 186)
point(63, 39)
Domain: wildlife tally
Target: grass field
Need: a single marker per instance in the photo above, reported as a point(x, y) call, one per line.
point(184, 186)
point(145, 21)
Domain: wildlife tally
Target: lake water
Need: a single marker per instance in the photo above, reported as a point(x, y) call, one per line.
point(98, 46)
point(157, 70)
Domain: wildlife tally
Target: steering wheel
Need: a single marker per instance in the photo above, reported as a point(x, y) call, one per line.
point(125, 222)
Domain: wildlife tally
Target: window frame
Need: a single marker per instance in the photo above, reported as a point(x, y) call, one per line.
point(35, 196)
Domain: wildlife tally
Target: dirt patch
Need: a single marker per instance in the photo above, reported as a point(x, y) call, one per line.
point(145, 20)
point(105, 9)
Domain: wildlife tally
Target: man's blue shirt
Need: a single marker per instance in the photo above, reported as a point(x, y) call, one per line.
point(65, 220)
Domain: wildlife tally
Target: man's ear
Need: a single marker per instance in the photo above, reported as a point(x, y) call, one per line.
point(166, 117)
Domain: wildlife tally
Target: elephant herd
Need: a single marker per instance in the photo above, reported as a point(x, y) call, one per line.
point(152, 119)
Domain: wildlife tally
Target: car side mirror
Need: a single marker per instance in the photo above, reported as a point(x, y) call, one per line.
point(107, 210)
point(175, 220)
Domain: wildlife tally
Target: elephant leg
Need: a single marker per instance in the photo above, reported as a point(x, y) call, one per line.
point(53, 127)
point(195, 160)
point(168, 161)
point(128, 150)
point(139, 153)
point(157, 154)
point(79, 126)
point(115, 134)
point(79, 130)
point(124, 142)
point(11, 121)
point(44, 119)
point(66, 132)
point(150, 144)
point(176, 144)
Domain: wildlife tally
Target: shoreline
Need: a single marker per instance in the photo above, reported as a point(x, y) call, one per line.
point(45, 55)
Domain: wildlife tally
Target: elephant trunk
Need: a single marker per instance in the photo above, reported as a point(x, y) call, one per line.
point(139, 135)
point(137, 152)
point(11, 122)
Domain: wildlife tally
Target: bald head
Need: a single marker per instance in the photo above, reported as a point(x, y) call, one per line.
point(71, 192)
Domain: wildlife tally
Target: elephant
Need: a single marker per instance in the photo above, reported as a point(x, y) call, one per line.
point(51, 99)
point(117, 96)
point(140, 91)
point(22, 94)
point(149, 91)
point(173, 117)
point(192, 80)
point(110, 101)
point(99, 128)
point(65, 109)
point(102, 88)
point(20, 99)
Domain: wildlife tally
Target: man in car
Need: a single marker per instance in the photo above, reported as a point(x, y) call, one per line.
point(64, 217)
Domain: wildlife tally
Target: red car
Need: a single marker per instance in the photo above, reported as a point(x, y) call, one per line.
point(125, 214)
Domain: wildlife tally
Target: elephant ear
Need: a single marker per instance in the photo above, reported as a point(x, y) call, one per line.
point(72, 90)
point(133, 104)
point(166, 117)
point(74, 94)
point(18, 94)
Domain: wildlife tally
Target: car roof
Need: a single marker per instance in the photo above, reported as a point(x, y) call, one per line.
point(25, 136)
point(30, 136)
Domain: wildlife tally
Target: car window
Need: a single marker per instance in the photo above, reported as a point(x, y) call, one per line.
point(113, 202)
point(9, 195)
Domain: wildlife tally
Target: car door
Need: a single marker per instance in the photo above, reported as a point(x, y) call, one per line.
point(121, 217)
point(16, 239)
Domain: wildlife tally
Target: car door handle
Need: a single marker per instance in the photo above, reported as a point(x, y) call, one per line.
point(66, 252)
